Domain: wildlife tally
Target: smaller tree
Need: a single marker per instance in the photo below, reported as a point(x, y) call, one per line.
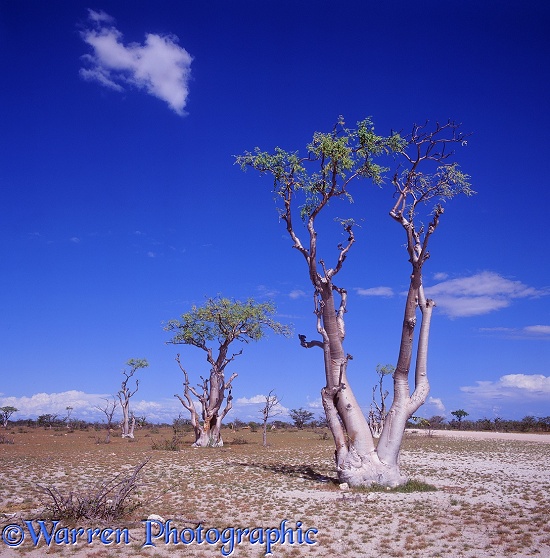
point(47, 420)
point(5, 414)
point(269, 410)
point(221, 321)
point(301, 417)
point(125, 393)
point(378, 412)
point(459, 414)
point(109, 411)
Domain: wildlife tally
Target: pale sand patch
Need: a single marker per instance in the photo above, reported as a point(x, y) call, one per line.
point(486, 435)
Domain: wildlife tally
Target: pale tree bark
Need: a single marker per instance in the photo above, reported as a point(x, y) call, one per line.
point(222, 321)
point(343, 156)
point(211, 397)
point(125, 394)
point(414, 188)
point(268, 411)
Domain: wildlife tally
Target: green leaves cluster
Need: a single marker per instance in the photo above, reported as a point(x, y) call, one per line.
point(333, 160)
point(225, 320)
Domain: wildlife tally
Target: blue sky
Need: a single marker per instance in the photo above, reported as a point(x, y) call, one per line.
point(121, 205)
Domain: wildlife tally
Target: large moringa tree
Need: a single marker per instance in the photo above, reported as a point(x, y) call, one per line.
point(339, 158)
point(222, 321)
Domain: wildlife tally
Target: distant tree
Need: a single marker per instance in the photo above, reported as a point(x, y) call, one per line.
point(301, 417)
point(67, 419)
point(459, 414)
point(322, 421)
point(378, 412)
point(221, 321)
point(47, 420)
point(125, 393)
point(108, 409)
point(269, 410)
point(5, 414)
point(436, 421)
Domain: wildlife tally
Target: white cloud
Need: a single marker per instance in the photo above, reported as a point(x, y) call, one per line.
point(255, 400)
point(56, 403)
point(527, 332)
point(160, 66)
point(375, 291)
point(512, 386)
point(258, 401)
point(479, 294)
point(437, 403)
point(441, 276)
point(316, 404)
point(85, 406)
point(296, 293)
point(538, 330)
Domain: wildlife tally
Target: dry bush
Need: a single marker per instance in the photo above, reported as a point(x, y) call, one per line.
point(111, 500)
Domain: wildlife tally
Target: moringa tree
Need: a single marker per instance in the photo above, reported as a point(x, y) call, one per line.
point(109, 411)
point(459, 415)
point(300, 417)
point(125, 393)
point(270, 409)
point(378, 411)
point(338, 159)
point(5, 414)
point(221, 321)
point(427, 176)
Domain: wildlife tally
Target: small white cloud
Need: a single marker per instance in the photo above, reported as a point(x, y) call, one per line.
point(259, 402)
point(266, 292)
point(160, 66)
point(255, 400)
point(296, 293)
point(317, 404)
point(479, 294)
point(100, 17)
point(151, 255)
point(375, 291)
point(527, 332)
point(512, 387)
point(75, 239)
point(441, 276)
point(543, 330)
point(437, 403)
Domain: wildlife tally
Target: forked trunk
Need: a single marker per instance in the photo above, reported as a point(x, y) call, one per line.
point(358, 461)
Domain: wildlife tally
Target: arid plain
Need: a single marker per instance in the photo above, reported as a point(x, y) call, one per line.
point(492, 494)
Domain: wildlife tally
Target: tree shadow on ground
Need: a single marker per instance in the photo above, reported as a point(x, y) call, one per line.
point(296, 471)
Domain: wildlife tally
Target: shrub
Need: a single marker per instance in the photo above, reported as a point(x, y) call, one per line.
point(111, 500)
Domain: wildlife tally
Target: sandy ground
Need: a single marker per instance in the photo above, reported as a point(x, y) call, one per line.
point(473, 435)
point(492, 498)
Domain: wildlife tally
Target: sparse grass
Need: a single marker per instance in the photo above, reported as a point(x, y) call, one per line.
point(492, 497)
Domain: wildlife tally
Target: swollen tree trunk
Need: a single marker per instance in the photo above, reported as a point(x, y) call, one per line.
point(404, 404)
point(208, 430)
point(357, 461)
point(126, 432)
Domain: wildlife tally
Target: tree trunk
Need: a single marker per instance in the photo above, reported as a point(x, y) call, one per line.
point(404, 404)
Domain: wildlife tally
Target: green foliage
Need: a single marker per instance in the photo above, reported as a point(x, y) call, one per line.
point(301, 417)
point(225, 320)
point(6, 412)
point(459, 414)
point(410, 486)
point(337, 158)
point(136, 364)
